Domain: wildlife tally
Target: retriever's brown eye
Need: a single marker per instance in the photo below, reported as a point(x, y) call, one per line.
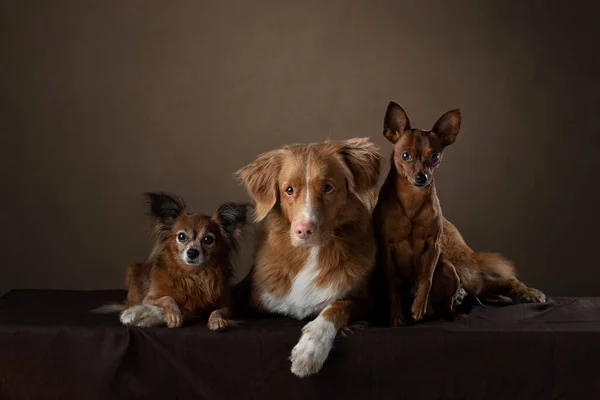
point(327, 188)
point(406, 157)
point(208, 240)
point(182, 237)
point(435, 157)
point(289, 190)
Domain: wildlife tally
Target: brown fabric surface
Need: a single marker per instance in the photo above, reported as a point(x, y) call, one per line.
point(51, 347)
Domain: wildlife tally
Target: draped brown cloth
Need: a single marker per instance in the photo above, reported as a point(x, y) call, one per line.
point(52, 347)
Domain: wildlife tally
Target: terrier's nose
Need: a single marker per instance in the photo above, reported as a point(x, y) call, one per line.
point(421, 178)
point(305, 230)
point(192, 253)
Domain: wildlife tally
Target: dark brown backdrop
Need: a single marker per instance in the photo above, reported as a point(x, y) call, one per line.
point(101, 101)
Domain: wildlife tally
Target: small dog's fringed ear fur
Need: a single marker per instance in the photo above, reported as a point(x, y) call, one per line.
point(447, 127)
point(395, 122)
point(260, 179)
point(364, 162)
point(165, 207)
point(232, 218)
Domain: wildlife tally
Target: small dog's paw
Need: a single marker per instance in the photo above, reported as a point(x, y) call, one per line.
point(396, 321)
point(129, 316)
point(174, 319)
point(419, 307)
point(531, 295)
point(142, 316)
point(217, 323)
point(313, 348)
point(454, 316)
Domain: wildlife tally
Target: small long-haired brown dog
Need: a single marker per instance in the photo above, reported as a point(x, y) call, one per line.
point(189, 267)
point(418, 247)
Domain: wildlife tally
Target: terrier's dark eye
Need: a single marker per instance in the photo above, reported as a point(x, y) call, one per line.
point(406, 157)
point(435, 157)
point(289, 190)
point(208, 240)
point(182, 237)
point(327, 188)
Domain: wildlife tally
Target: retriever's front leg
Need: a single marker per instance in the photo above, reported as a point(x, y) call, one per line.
point(317, 338)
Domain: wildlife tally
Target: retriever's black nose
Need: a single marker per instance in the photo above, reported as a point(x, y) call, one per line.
point(192, 253)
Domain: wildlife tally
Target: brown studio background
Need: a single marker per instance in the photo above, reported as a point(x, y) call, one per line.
point(101, 101)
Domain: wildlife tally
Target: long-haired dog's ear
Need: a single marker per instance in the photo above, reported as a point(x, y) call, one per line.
point(364, 162)
point(232, 219)
point(165, 207)
point(260, 180)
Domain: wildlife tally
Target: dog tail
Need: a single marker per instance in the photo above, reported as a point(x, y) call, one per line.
point(494, 265)
point(109, 309)
point(496, 272)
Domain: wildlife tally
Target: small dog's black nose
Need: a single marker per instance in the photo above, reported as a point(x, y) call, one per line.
point(192, 253)
point(421, 178)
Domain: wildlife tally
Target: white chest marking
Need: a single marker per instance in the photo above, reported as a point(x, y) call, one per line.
point(304, 298)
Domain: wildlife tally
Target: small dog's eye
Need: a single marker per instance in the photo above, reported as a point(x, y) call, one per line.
point(181, 237)
point(327, 188)
point(406, 157)
point(289, 190)
point(435, 158)
point(208, 239)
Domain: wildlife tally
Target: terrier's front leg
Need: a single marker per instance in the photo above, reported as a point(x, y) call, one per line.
point(430, 260)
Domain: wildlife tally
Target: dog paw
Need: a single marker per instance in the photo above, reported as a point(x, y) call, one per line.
point(309, 355)
point(419, 307)
point(531, 295)
point(217, 323)
point(454, 316)
point(396, 321)
point(142, 316)
point(174, 318)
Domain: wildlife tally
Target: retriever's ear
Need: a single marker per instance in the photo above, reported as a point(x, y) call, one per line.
point(364, 162)
point(165, 207)
point(260, 180)
point(395, 122)
point(232, 218)
point(447, 127)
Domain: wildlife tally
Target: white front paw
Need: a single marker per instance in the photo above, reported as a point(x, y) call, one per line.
point(313, 348)
point(143, 316)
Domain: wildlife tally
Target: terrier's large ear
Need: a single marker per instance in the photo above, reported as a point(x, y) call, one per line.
point(447, 127)
point(364, 162)
point(232, 219)
point(165, 207)
point(395, 122)
point(260, 180)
